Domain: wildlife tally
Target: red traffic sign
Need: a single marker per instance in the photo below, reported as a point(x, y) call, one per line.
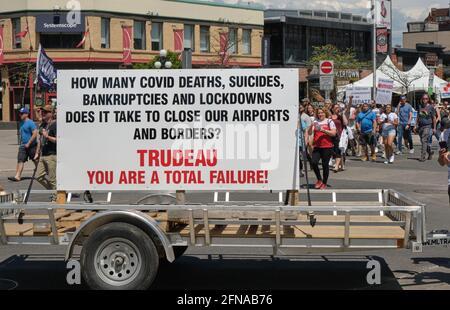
point(326, 67)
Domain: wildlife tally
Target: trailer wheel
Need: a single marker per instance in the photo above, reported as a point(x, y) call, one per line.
point(119, 256)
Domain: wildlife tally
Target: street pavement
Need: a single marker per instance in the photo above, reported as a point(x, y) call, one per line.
point(39, 267)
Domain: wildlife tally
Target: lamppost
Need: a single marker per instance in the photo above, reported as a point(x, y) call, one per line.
point(163, 63)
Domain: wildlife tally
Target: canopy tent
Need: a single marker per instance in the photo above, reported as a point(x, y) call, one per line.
point(418, 77)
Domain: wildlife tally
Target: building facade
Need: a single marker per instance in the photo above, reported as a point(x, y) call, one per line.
point(219, 35)
point(293, 34)
point(435, 29)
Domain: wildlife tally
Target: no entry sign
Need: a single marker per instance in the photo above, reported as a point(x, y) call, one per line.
point(326, 67)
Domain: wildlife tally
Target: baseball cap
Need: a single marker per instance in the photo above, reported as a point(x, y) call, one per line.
point(24, 111)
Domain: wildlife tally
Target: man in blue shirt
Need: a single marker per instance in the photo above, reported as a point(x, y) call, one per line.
point(366, 125)
point(405, 116)
point(28, 143)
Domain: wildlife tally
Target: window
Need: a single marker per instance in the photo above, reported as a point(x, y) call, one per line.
point(157, 37)
point(17, 41)
point(139, 35)
point(204, 39)
point(60, 40)
point(105, 33)
point(189, 37)
point(246, 41)
point(232, 41)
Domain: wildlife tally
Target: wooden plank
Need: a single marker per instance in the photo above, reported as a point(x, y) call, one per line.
point(61, 197)
point(14, 229)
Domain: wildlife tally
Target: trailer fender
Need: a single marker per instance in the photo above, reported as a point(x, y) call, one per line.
point(139, 219)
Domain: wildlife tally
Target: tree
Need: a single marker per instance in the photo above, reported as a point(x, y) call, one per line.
point(403, 78)
point(343, 59)
point(173, 57)
point(225, 46)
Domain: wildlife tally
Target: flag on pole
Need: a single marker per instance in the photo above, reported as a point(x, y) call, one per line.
point(45, 70)
point(85, 35)
point(178, 37)
point(22, 34)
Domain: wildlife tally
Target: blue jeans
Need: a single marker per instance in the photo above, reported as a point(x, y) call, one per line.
point(402, 132)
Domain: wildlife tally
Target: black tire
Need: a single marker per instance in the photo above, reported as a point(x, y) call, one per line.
point(137, 250)
point(179, 251)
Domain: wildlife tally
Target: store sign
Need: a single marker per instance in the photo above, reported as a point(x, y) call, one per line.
point(347, 74)
point(59, 23)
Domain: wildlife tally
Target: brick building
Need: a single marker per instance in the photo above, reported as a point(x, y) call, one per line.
point(154, 25)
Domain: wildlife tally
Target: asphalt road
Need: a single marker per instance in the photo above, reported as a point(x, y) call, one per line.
point(31, 267)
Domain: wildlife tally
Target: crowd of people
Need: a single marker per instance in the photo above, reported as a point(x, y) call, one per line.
point(369, 131)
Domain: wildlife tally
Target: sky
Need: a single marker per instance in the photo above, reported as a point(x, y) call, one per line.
point(404, 10)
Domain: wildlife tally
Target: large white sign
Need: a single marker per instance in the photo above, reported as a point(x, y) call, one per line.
point(360, 94)
point(384, 91)
point(177, 129)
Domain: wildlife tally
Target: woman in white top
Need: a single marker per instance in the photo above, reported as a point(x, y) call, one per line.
point(389, 121)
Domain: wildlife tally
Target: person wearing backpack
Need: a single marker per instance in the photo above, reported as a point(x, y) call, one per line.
point(322, 132)
point(366, 124)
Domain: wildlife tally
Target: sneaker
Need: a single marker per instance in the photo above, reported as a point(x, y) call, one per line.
point(398, 153)
point(318, 185)
point(386, 162)
point(411, 151)
point(323, 186)
point(392, 159)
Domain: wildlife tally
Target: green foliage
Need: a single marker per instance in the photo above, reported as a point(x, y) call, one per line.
point(171, 56)
point(343, 59)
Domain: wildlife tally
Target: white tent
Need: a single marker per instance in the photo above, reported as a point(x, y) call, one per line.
point(387, 70)
point(420, 75)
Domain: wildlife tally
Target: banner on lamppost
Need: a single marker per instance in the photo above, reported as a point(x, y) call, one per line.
point(2, 46)
point(383, 13)
point(126, 33)
point(382, 40)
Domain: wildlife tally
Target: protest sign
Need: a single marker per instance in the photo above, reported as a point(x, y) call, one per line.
point(384, 91)
point(177, 129)
point(360, 94)
point(445, 91)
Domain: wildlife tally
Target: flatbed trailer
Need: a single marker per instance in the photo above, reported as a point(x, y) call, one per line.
point(121, 245)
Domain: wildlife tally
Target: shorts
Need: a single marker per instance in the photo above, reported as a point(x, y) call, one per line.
point(367, 139)
point(389, 131)
point(26, 153)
